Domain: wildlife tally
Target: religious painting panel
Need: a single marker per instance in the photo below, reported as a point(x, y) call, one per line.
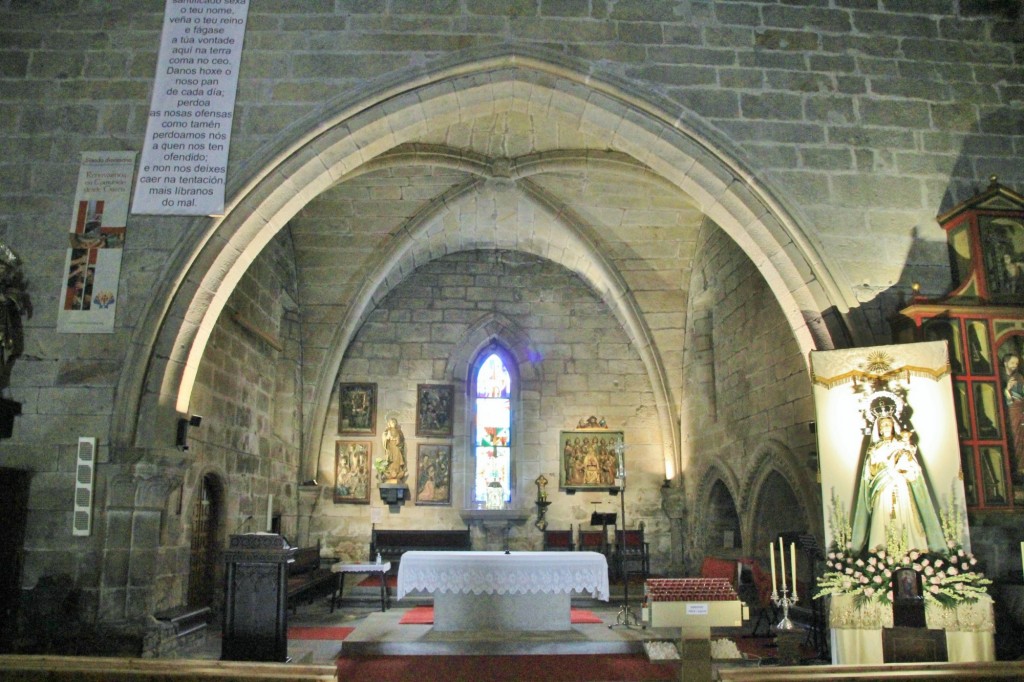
point(352, 461)
point(1003, 256)
point(993, 472)
point(887, 429)
point(942, 329)
point(1011, 358)
point(986, 408)
point(357, 410)
point(978, 347)
point(434, 410)
point(970, 486)
point(433, 474)
point(590, 459)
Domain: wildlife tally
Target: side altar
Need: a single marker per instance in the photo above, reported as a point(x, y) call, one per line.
point(899, 573)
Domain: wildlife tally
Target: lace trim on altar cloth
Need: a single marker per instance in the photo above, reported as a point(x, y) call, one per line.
point(505, 577)
point(976, 617)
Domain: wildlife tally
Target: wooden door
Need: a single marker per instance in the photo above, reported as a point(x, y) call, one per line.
point(204, 566)
point(14, 485)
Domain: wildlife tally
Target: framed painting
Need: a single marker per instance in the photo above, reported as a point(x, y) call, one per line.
point(590, 459)
point(433, 474)
point(352, 481)
point(357, 409)
point(434, 410)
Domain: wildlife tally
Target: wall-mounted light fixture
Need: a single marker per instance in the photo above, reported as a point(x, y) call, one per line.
point(181, 438)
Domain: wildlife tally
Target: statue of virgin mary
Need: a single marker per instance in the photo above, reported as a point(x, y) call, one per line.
point(893, 496)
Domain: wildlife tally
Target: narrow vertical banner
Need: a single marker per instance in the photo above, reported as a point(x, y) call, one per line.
point(185, 154)
point(92, 268)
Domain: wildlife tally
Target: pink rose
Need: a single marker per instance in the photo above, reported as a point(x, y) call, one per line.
point(934, 589)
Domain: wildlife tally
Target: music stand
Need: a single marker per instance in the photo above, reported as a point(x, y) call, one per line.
point(603, 519)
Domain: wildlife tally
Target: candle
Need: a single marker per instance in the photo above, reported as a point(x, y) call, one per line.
point(270, 513)
point(792, 565)
point(771, 553)
point(782, 563)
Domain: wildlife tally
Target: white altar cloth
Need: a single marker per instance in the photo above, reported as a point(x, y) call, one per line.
point(495, 590)
point(856, 632)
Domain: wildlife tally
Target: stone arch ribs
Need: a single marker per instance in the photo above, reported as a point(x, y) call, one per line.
point(561, 237)
point(316, 153)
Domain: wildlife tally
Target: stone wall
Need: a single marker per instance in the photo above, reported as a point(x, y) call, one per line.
point(864, 123)
point(428, 330)
point(750, 404)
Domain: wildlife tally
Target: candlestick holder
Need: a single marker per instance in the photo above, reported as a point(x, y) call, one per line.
point(780, 599)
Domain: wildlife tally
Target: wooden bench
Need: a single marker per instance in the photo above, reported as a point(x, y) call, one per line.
point(1009, 670)
point(307, 579)
point(185, 619)
point(392, 544)
point(98, 669)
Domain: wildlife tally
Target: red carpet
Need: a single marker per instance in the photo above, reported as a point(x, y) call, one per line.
point(338, 633)
point(550, 668)
point(424, 615)
point(374, 581)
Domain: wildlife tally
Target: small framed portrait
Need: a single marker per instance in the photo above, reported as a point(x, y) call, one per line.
point(352, 462)
point(434, 410)
point(357, 409)
point(590, 459)
point(434, 474)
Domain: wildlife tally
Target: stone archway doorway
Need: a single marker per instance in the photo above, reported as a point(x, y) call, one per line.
point(204, 565)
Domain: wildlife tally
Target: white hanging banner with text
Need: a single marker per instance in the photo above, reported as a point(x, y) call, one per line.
point(185, 155)
point(92, 267)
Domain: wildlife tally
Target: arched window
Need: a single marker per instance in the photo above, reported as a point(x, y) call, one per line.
point(493, 388)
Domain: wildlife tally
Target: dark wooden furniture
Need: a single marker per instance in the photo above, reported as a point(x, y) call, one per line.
point(392, 544)
point(913, 645)
point(559, 540)
point(307, 579)
point(631, 549)
point(255, 598)
point(593, 541)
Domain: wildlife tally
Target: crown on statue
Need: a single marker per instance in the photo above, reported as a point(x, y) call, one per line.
point(885, 406)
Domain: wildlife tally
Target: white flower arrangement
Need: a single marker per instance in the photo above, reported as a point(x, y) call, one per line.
point(948, 578)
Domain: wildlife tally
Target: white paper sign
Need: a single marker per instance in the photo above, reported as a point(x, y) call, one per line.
point(696, 609)
point(88, 299)
point(185, 154)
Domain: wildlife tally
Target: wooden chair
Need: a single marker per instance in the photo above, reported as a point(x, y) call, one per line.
point(593, 541)
point(559, 540)
point(631, 548)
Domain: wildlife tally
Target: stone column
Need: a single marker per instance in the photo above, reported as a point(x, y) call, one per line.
point(673, 503)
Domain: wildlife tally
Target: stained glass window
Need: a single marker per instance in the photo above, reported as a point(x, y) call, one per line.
point(492, 432)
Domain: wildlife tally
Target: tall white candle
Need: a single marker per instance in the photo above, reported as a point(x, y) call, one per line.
point(792, 565)
point(270, 513)
point(782, 563)
point(771, 553)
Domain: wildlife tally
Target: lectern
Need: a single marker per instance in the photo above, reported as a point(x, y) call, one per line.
point(256, 598)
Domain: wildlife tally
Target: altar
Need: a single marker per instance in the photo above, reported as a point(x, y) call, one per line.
point(857, 630)
point(502, 591)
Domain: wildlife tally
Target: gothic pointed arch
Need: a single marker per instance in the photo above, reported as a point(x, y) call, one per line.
point(312, 155)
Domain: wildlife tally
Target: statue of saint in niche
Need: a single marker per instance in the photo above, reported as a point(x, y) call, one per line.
point(893, 495)
point(393, 439)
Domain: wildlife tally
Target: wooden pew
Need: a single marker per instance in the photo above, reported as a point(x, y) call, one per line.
point(95, 669)
point(392, 544)
point(999, 670)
